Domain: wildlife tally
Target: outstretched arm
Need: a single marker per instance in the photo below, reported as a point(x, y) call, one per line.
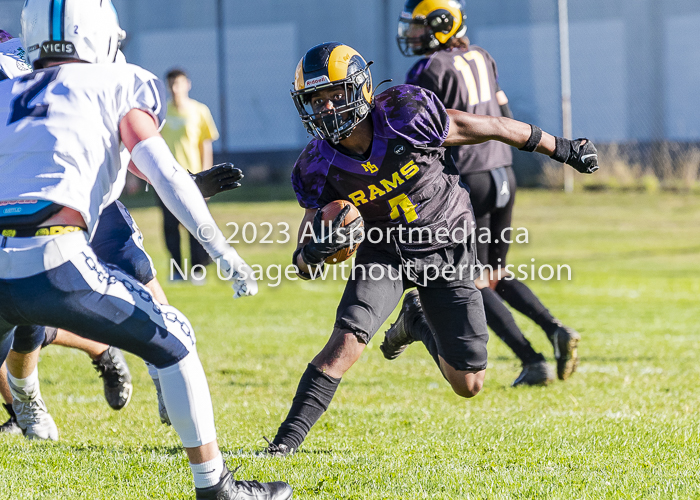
point(152, 157)
point(467, 128)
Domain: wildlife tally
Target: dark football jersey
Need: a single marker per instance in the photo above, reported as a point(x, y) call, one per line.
point(466, 80)
point(405, 182)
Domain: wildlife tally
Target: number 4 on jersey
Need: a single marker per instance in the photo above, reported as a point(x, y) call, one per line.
point(402, 205)
point(21, 104)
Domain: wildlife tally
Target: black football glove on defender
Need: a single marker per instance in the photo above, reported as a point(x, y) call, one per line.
point(328, 239)
point(583, 158)
point(217, 179)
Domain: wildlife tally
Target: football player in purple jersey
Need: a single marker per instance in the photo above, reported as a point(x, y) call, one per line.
point(465, 77)
point(386, 155)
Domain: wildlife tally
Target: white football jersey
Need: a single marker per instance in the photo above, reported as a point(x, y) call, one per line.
point(12, 61)
point(59, 133)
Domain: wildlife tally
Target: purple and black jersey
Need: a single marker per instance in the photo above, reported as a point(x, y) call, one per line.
point(405, 181)
point(466, 80)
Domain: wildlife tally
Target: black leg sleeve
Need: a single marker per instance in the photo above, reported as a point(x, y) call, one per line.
point(314, 394)
point(502, 322)
point(523, 300)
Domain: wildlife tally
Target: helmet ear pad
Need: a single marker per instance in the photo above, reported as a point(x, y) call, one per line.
point(441, 23)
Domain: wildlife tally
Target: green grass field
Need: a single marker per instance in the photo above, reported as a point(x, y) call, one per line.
point(625, 426)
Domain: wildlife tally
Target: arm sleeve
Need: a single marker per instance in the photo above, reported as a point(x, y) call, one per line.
point(495, 69)
point(505, 108)
point(179, 193)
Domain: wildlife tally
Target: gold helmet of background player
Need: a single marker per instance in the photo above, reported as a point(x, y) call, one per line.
point(425, 25)
point(326, 66)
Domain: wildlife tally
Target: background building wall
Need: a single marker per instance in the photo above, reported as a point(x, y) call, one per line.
point(635, 63)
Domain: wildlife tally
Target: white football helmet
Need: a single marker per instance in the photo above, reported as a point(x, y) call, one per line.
point(70, 29)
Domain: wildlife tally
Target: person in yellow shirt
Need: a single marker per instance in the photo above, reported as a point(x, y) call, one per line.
point(189, 131)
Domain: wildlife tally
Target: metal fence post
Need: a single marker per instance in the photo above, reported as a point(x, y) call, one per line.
point(565, 57)
point(221, 58)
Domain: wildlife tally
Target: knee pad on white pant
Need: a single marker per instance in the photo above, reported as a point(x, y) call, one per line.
point(187, 399)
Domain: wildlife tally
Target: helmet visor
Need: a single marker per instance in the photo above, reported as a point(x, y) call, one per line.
point(413, 36)
point(323, 102)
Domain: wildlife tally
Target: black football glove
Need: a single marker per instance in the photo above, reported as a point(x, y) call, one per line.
point(331, 238)
point(583, 158)
point(217, 179)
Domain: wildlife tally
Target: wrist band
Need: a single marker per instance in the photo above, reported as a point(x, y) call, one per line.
point(562, 150)
point(534, 140)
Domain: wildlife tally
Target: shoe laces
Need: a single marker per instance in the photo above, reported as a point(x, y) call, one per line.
point(247, 486)
point(32, 408)
point(273, 449)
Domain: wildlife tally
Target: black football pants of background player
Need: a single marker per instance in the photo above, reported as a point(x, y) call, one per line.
point(171, 230)
point(485, 188)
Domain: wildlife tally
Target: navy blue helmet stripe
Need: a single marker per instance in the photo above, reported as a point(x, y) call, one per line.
point(51, 23)
point(58, 10)
point(316, 58)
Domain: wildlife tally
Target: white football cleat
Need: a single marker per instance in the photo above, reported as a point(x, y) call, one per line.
point(35, 420)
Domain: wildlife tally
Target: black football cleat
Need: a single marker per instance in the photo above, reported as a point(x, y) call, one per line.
point(398, 337)
point(277, 450)
point(116, 377)
point(11, 426)
point(230, 489)
point(537, 373)
point(565, 342)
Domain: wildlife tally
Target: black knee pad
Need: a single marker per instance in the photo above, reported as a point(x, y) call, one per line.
point(28, 338)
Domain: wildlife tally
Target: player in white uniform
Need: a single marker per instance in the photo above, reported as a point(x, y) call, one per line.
point(117, 241)
point(109, 361)
point(60, 131)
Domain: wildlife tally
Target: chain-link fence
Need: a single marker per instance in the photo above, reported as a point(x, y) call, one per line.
point(635, 69)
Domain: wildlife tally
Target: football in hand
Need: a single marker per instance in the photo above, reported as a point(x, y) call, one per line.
point(330, 212)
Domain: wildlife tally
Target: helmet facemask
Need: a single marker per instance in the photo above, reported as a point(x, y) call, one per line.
point(415, 38)
point(424, 28)
point(338, 122)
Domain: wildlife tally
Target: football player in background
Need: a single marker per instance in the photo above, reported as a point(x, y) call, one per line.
point(75, 115)
point(465, 77)
point(386, 155)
